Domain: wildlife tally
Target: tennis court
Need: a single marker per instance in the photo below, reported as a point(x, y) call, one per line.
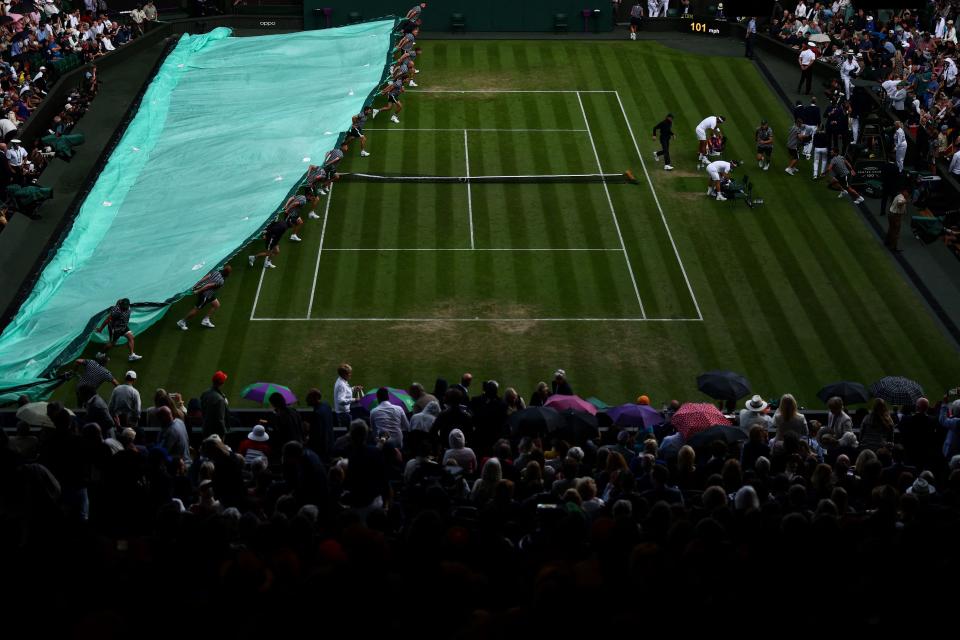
point(530, 206)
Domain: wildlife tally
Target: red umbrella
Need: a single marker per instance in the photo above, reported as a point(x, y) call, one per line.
point(694, 417)
point(575, 403)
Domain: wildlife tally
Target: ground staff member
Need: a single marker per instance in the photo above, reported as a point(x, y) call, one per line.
point(897, 211)
point(806, 58)
point(665, 127)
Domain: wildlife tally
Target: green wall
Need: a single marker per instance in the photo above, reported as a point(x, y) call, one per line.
point(481, 15)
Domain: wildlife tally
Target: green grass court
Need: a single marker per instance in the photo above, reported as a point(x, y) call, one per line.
point(630, 288)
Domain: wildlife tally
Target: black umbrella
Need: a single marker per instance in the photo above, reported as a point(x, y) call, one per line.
point(849, 392)
point(897, 390)
point(534, 422)
point(723, 385)
point(579, 426)
point(719, 432)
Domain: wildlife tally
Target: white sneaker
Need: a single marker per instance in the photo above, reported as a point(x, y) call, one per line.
point(101, 354)
point(182, 324)
point(395, 119)
point(416, 70)
point(668, 167)
point(766, 167)
point(375, 112)
point(633, 36)
point(858, 200)
point(710, 191)
point(720, 198)
point(206, 323)
point(313, 215)
point(268, 265)
point(841, 194)
point(412, 83)
point(656, 156)
point(714, 154)
point(364, 153)
point(392, 67)
point(322, 192)
point(295, 238)
point(134, 357)
point(251, 260)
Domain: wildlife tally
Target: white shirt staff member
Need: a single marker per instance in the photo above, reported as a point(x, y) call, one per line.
point(849, 67)
point(343, 394)
point(806, 59)
point(717, 171)
point(899, 144)
point(708, 123)
point(16, 156)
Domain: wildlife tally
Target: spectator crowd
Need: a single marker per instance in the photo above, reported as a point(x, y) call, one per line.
point(912, 55)
point(457, 499)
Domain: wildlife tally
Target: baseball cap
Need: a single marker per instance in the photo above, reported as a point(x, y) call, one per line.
point(131, 375)
point(219, 377)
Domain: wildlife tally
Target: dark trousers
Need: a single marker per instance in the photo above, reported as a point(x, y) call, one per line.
point(749, 44)
point(806, 75)
point(665, 150)
point(838, 140)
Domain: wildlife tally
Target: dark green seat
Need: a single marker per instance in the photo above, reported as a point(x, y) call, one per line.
point(458, 22)
point(560, 22)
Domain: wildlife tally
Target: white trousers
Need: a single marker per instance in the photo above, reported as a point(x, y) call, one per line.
point(820, 158)
point(901, 152)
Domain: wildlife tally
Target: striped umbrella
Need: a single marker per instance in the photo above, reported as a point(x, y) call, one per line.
point(261, 392)
point(694, 417)
point(398, 397)
point(897, 390)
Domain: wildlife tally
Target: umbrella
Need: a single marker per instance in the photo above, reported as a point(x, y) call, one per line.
point(694, 417)
point(535, 421)
point(723, 385)
point(398, 397)
point(598, 403)
point(261, 392)
point(849, 392)
point(578, 427)
point(717, 432)
point(820, 37)
point(635, 415)
point(561, 402)
point(34, 414)
point(897, 390)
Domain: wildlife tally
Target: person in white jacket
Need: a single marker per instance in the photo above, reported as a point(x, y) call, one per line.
point(899, 144)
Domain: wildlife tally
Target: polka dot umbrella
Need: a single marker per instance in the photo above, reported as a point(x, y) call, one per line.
point(694, 417)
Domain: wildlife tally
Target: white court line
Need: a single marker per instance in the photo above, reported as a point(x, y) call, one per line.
point(613, 212)
point(256, 298)
point(441, 319)
point(316, 268)
point(481, 178)
point(481, 130)
point(466, 153)
point(659, 208)
point(512, 91)
point(512, 249)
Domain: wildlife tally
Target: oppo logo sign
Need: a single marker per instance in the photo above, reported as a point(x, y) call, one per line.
point(268, 23)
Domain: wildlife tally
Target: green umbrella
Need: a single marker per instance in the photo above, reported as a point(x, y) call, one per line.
point(261, 392)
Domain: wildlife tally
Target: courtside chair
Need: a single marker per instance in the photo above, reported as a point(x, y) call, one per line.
point(354, 17)
point(560, 23)
point(458, 23)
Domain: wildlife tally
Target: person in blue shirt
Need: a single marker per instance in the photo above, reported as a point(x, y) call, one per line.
point(950, 420)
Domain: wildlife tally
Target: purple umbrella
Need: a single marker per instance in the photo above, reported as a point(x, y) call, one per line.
point(261, 392)
point(576, 403)
point(398, 397)
point(635, 415)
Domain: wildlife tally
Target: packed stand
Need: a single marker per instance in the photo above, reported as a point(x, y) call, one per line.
point(475, 501)
point(38, 42)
